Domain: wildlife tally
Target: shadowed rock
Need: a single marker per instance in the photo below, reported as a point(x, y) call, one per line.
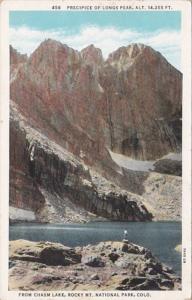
point(93, 261)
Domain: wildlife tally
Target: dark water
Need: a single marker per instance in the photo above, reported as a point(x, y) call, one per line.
point(160, 237)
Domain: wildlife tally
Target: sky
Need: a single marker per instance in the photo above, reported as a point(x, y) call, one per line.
point(106, 30)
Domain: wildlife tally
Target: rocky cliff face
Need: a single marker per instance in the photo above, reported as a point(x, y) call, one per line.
point(41, 169)
point(16, 61)
point(129, 103)
point(144, 94)
point(16, 58)
point(85, 106)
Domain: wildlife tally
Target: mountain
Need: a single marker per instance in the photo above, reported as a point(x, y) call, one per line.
point(89, 108)
point(145, 100)
point(16, 58)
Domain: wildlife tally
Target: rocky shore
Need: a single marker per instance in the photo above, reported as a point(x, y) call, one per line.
point(110, 265)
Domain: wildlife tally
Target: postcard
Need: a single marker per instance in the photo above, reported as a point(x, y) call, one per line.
point(95, 149)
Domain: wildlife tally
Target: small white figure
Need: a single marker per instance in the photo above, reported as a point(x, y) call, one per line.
point(125, 235)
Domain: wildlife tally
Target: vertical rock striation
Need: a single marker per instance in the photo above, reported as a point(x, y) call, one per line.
point(38, 165)
point(129, 104)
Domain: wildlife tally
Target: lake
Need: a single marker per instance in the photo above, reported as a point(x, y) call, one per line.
point(160, 237)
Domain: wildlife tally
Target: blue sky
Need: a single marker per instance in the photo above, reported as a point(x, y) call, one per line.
point(145, 21)
point(106, 30)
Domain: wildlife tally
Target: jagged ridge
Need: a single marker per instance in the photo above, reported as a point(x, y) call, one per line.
point(129, 103)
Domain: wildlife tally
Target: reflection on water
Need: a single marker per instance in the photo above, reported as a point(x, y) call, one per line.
point(160, 237)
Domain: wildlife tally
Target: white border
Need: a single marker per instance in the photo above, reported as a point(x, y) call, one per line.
point(185, 8)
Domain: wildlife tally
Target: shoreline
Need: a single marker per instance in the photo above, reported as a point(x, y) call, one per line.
point(76, 234)
point(90, 222)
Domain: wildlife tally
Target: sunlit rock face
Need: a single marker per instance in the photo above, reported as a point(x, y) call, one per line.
point(129, 104)
point(144, 93)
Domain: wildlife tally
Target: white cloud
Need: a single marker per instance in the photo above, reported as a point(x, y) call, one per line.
point(108, 39)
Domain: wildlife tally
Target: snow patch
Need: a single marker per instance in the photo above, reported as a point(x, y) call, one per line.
point(131, 164)
point(173, 156)
point(140, 165)
point(20, 214)
point(101, 90)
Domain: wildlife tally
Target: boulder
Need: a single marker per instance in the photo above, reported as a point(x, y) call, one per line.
point(54, 256)
point(113, 256)
point(93, 261)
point(168, 166)
point(94, 277)
point(44, 253)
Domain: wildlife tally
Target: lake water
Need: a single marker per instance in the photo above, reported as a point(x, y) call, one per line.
point(160, 237)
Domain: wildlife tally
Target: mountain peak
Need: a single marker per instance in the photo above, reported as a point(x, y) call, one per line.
point(92, 55)
point(131, 51)
point(135, 49)
point(124, 57)
point(53, 53)
point(50, 44)
point(136, 87)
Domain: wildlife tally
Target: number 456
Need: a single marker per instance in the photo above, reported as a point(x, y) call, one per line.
point(56, 7)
